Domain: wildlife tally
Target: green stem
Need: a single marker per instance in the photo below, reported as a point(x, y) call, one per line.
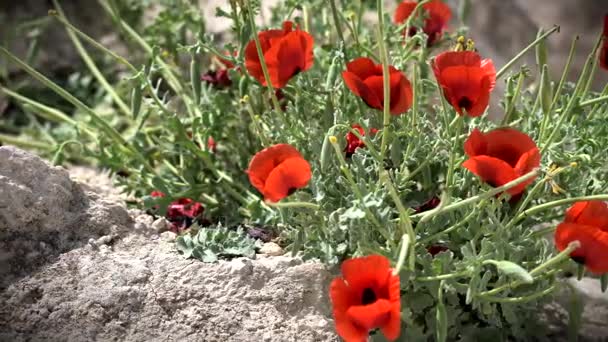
point(403, 252)
point(490, 193)
point(334, 12)
point(93, 42)
point(462, 222)
point(521, 299)
point(504, 69)
point(165, 68)
point(258, 46)
point(580, 87)
point(304, 205)
point(254, 120)
point(511, 107)
point(356, 190)
point(563, 255)
point(403, 215)
point(25, 143)
point(385, 84)
point(596, 100)
point(92, 66)
point(449, 179)
point(112, 133)
point(443, 276)
point(558, 203)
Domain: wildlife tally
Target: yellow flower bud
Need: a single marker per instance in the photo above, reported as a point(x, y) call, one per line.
point(333, 139)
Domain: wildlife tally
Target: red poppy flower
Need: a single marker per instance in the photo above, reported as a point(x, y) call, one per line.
point(277, 171)
point(211, 144)
point(217, 78)
point(437, 15)
point(157, 193)
point(500, 156)
point(286, 52)
point(604, 50)
point(586, 222)
point(364, 78)
point(367, 296)
point(353, 142)
point(466, 80)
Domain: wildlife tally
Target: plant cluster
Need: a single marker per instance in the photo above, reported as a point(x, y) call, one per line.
point(362, 142)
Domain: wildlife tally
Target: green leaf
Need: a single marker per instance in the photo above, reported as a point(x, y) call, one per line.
point(442, 323)
point(512, 269)
point(353, 213)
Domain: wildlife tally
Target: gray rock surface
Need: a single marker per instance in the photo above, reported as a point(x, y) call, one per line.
point(74, 267)
point(141, 289)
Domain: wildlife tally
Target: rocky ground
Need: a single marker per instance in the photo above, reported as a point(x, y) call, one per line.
point(76, 265)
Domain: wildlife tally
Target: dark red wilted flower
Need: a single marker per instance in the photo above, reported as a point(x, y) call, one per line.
point(278, 171)
point(586, 222)
point(436, 249)
point(365, 297)
point(436, 13)
point(428, 205)
point(217, 78)
point(353, 142)
point(286, 52)
point(364, 78)
point(182, 212)
point(500, 156)
point(604, 48)
point(466, 80)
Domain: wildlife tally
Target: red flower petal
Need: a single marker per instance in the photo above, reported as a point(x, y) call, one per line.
point(466, 80)
point(592, 213)
point(292, 174)
point(365, 80)
point(278, 170)
point(341, 299)
point(363, 67)
point(476, 144)
point(594, 245)
point(508, 144)
point(359, 88)
point(370, 316)
point(286, 52)
point(367, 297)
point(402, 95)
point(437, 15)
point(493, 171)
point(403, 11)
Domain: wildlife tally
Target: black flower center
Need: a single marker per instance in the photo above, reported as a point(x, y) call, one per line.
point(579, 259)
point(465, 103)
point(291, 191)
point(368, 296)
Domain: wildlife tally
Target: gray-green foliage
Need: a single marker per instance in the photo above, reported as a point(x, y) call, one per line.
point(212, 244)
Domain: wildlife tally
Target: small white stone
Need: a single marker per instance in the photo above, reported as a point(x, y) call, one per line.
point(168, 236)
point(271, 248)
point(160, 225)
